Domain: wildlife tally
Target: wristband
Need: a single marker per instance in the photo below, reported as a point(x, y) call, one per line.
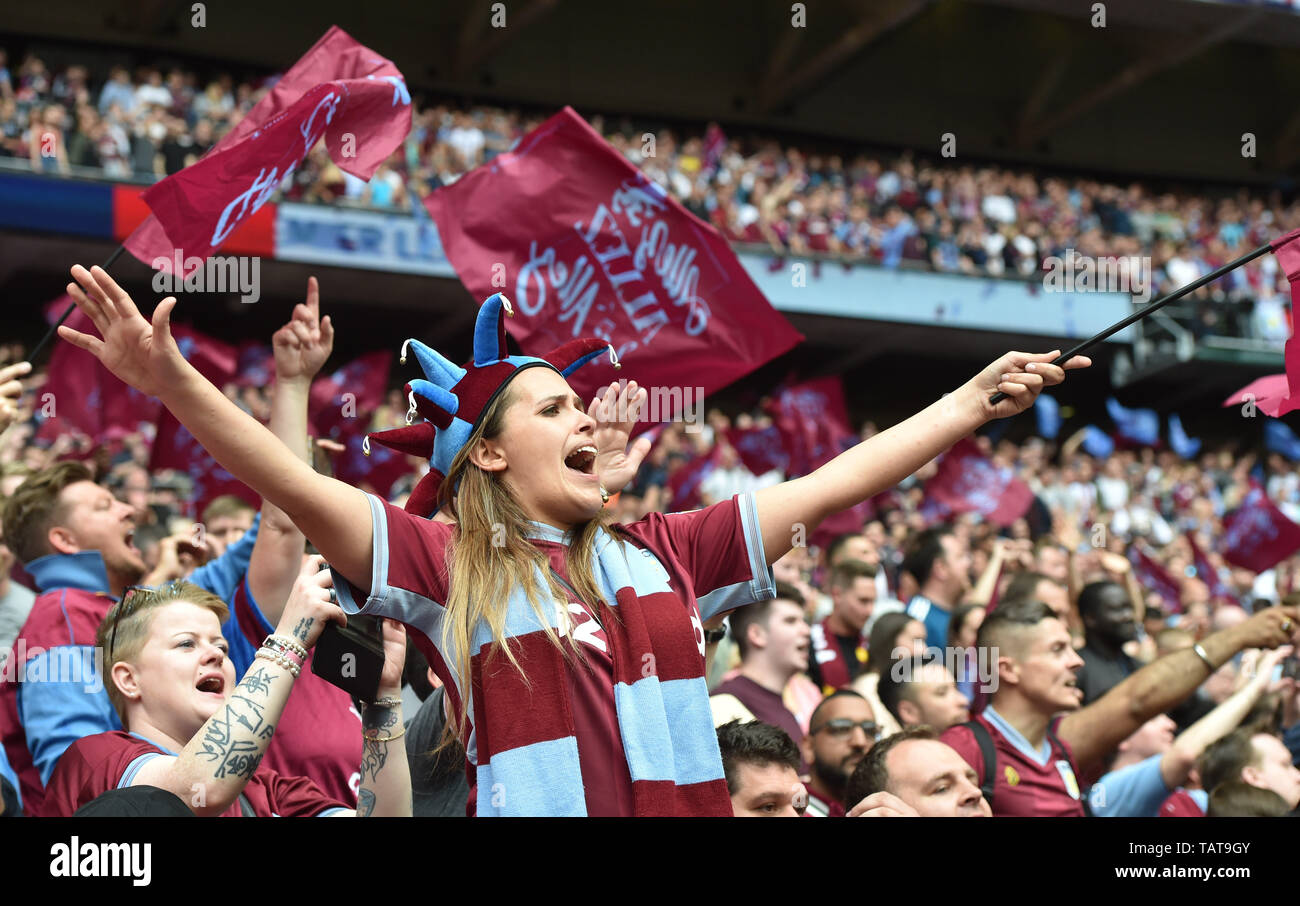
point(372, 735)
point(284, 642)
point(277, 657)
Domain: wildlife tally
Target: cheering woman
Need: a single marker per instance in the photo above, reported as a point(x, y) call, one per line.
point(571, 649)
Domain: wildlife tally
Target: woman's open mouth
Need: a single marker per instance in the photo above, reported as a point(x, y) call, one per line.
point(582, 461)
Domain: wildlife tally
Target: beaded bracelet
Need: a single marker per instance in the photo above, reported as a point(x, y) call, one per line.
point(284, 642)
point(278, 658)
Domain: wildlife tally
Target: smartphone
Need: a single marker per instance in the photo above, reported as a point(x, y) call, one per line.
point(351, 657)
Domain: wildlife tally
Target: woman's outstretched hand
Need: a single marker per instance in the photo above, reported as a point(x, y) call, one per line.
point(141, 354)
point(616, 410)
point(1021, 376)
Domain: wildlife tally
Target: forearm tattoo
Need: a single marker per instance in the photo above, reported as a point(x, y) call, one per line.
point(234, 738)
point(303, 627)
point(374, 754)
point(365, 804)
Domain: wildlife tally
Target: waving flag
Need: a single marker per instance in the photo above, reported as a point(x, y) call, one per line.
point(1049, 416)
point(1155, 578)
point(343, 402)
point(1208, 574)
point(1279, 438)
point(1179, 442)
point(1097, 442)
point(1275, 394)
point(1138, 425)
point(813, 423)
point(967, 481)
point(759, 449)
point(340, 91)
point(176, 448)
point(683, 485)
point(584, 244)
point(82, 396)
point(1257, 535)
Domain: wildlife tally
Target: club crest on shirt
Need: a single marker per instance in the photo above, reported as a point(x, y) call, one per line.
point(1067, 774)
point(1013, 778)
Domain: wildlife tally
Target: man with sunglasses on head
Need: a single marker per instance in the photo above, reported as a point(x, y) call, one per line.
point(840, 734)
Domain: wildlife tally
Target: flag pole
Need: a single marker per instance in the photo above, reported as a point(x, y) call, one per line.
point(1149, 308)
point(49, 334)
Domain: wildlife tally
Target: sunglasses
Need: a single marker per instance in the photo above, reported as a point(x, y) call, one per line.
point(133, 598)
point(842, 726)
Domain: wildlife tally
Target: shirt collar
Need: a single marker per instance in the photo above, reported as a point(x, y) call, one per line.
point(540, 531)
point(163, 749)
point(84, 571)
point(1014, 736)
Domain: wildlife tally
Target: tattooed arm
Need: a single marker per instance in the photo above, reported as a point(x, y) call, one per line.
point(385, 775)
point(211, 770)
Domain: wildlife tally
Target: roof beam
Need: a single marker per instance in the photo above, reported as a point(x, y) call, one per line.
point(882, 18)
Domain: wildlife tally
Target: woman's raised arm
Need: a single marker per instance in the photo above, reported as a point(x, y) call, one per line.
point(795, 508)
point(333, 515)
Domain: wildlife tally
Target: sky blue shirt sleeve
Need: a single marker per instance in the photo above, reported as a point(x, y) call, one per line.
point(1135, 791)
point(60, 700)
point(7, 773)
point(222, 576)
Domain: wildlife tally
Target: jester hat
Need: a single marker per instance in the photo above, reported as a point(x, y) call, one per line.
point(451, 399)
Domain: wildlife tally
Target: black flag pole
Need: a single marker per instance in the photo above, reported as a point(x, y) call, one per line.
point(1150, 308)
point(54, 329)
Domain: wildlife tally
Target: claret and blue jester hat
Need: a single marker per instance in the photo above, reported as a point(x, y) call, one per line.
point(451, 399)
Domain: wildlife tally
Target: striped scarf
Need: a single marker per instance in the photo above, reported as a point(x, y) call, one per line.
point(522, 739)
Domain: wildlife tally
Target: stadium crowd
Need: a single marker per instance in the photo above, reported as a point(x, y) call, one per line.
point(877, 639)
point(1096, 656)
point(840, 205)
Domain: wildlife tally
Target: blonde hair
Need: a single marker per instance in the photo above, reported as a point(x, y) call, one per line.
point(489, 555)
point(137, 610)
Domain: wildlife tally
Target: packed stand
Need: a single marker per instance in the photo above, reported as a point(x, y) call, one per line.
point(845, 206)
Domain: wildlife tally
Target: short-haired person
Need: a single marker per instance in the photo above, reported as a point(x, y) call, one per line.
point(761, 765)
point(1265, 763)
point(914, 774)
point(921, 691)
point(894, 635)
point(939, 559)
point(191, 730)
point(225, 520)
point(842, 731)
point(839, 652)
point(772, 637)
point(1038, 755)
point(1239, 799)
point(1108, 624)
point(1034, 586)
point(1152, 764)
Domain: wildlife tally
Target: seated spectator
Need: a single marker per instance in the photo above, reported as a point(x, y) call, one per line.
point(925, 775)
point(1034, 754)
point(920, 691)
point(1151, 764)
point(773, 641)
point(1108, 623)
point(190, 730)
point(1239, 799)
point(761, 764)
point(842, 731)
point(839, 654)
